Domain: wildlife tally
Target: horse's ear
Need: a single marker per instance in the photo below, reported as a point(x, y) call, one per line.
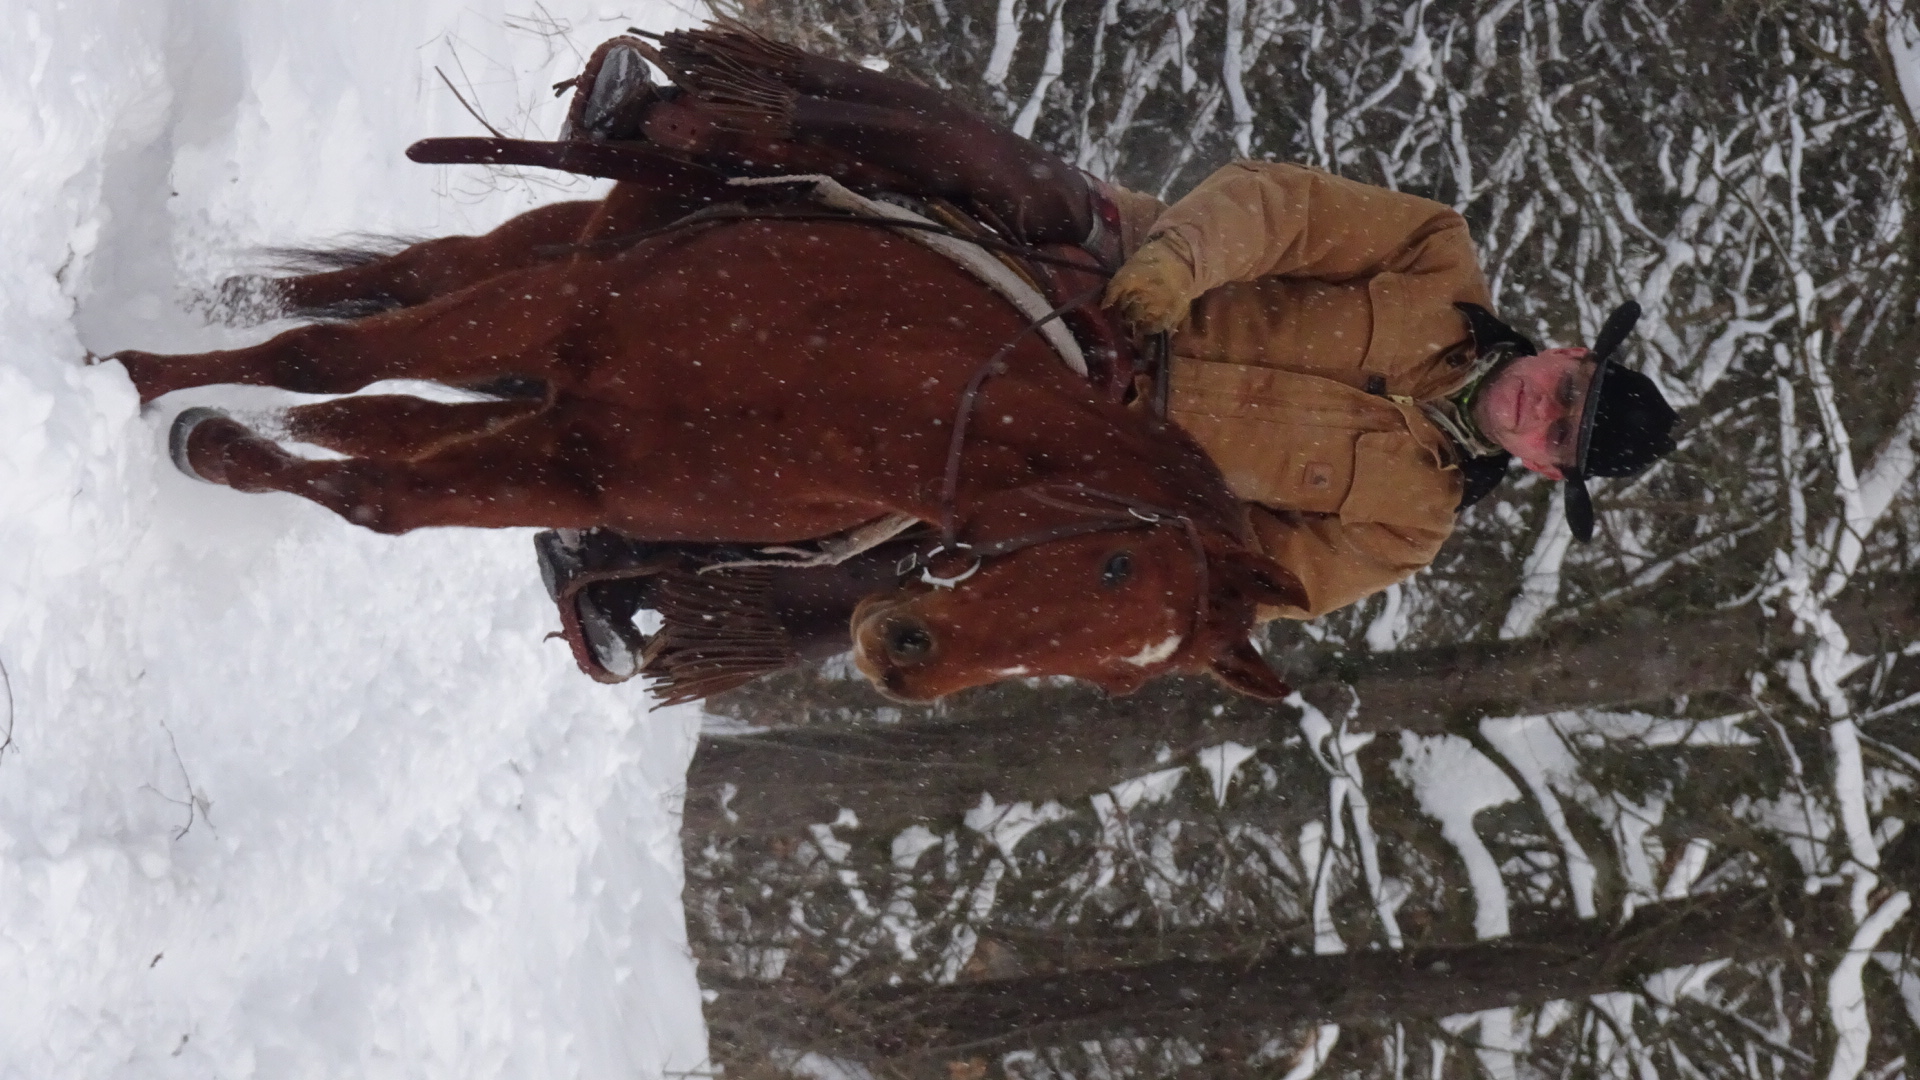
point(1264, 581)
point(1238, 665)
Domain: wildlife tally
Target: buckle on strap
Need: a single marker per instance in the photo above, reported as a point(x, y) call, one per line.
point(942, 582)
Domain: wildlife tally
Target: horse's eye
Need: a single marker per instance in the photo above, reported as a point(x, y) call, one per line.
point(1118, 569)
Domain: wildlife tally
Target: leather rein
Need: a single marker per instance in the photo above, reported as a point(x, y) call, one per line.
point(1122, 512)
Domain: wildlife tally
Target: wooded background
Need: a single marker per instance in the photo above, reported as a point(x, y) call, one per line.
point(1632, 809)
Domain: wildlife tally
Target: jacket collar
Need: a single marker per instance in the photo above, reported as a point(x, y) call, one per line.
point(1453, 414)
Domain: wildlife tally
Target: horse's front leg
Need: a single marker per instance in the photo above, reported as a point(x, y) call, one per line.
point(423, 271)
point(510, 324)
point(516, 475)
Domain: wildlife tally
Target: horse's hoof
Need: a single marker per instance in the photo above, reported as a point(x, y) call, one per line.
point(183, 428)
point(148, 371)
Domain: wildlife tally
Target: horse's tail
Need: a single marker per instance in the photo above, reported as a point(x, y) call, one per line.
point(257, 296)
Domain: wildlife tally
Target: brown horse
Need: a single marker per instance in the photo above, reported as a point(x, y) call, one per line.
point(761, 381)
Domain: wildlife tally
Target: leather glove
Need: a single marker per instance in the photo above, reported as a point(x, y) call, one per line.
point(1152, 290)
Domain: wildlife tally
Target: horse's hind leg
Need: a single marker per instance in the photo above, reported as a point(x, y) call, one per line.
point(395, 427)
point(512, 477)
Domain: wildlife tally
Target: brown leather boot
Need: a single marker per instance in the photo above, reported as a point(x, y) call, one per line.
point(600, 580)
point(611, 97)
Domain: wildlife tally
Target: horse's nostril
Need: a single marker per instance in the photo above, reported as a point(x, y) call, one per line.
point(908, 641)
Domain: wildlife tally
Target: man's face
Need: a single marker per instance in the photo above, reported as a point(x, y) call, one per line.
point(1531, 407)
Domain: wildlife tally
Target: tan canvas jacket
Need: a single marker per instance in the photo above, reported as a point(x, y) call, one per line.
point(1322, 318)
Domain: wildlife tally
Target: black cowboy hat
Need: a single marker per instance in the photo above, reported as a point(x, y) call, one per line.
point(1626, 424)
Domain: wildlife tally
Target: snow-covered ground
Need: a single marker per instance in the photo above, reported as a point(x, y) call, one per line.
point(285, 798)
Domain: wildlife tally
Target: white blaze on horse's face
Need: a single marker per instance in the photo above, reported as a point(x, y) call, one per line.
point(1154, 654)
point(1113, 609)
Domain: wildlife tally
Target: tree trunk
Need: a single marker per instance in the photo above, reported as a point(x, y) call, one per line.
point(935, 770)
point(1035, 744)
point(1626, 662)
point(1557, 960)
point(1554, 958)
point(1550, 957)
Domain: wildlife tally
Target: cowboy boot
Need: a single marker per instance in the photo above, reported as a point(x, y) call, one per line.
point(611, 97)
point(599, 581)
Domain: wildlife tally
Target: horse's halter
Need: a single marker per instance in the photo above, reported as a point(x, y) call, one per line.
point(1122, 514)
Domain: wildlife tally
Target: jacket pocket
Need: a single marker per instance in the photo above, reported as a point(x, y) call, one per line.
point(1283, 466)
point(1282, 439)
point(1397, 481)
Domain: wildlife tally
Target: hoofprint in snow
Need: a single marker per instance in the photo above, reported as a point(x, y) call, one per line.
point(285, 797)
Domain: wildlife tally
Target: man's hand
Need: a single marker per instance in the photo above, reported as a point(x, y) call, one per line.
point(1151, 291)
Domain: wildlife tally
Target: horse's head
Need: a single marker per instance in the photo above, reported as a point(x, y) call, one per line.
point(1112, 598)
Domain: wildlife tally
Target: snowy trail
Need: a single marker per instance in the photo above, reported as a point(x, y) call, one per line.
point(285, 797)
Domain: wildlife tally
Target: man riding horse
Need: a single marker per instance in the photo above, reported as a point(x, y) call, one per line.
point(1332, 346)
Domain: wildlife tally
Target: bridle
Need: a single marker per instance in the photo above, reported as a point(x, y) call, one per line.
point(1122, 512)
